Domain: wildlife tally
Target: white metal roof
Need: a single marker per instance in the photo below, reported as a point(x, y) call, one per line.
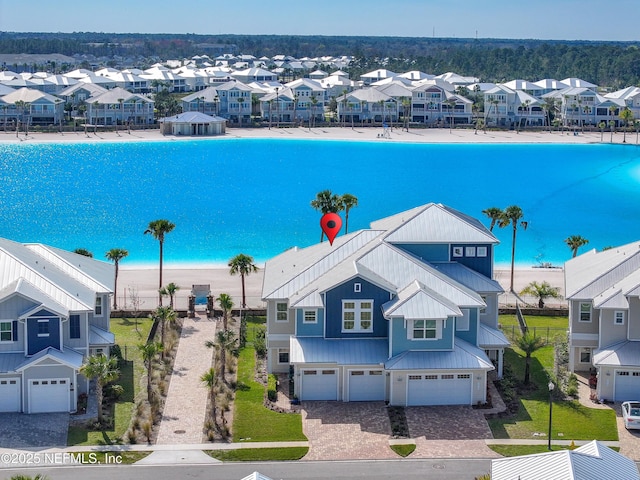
point(338, 351)
point(464, 356)
point(418, 302)
point(621, 354)
point(593, 461)
point(491, 337)
point(467, 277)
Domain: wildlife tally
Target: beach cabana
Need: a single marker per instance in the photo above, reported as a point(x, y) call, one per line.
point(193, 124)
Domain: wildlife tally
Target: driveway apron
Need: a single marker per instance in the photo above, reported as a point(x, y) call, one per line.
point(186, 403)
point(19, 430)
point(347, 431)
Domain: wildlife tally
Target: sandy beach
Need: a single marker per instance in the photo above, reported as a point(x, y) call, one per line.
point(144, 281)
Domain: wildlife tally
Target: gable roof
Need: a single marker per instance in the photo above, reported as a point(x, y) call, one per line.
point(463, 356)
point(593, 461)
point(418, 302)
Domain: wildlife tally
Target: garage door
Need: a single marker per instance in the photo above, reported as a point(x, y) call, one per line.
point(439, 389)
point(50, 395)
point(319, 384)
point(627, 386)
point(10, 394)
point(366, 385)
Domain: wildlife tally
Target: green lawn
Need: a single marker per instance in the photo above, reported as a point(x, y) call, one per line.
point(573, 420)
point(517, 450)
point(111, 458)
point(131, 374)
point(252, 421)
point(542, 326)
point(259, 454)
point(404, 450)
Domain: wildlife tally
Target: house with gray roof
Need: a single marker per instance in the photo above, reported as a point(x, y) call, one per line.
point(404, 312)
point(119, 106)
point(55, 312)
point(603, 291)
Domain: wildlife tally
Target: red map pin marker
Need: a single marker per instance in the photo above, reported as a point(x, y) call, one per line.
point(331, 224)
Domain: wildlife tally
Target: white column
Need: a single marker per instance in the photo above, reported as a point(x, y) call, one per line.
point(500, 361)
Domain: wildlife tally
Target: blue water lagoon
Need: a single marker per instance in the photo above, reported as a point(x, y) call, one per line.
point(228, 196)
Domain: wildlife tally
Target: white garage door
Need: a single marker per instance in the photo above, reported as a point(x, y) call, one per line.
point(50, 395)
point(366, 385)
point(627, 385)
point(439, 389)
point(319, 384)
point(10, 394)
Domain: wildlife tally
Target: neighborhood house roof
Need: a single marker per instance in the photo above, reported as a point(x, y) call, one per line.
point(339, 351)
point(463, 356)
point(620, 354)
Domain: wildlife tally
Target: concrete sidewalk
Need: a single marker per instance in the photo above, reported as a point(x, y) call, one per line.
point(185, 407)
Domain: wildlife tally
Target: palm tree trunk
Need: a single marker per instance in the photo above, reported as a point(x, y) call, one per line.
point(160, 280)
point(223, 361)
point(244, 297)
point(99, 400)
point(513, 254)
point(115, 289)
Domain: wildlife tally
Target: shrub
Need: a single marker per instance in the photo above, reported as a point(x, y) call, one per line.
point(242, 336)
point(116, 351)
point(272, 388)
point(113, 392)
point(572, 385)
point(260, 344)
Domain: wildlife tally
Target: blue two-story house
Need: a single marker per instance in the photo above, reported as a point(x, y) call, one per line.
point(54, 311)
point(406, 312)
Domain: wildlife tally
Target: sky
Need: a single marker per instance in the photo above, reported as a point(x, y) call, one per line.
point(543, 19)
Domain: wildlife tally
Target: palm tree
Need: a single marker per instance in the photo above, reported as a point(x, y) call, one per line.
point(348, 202)
point(528, 344)
point(103, 370)
point(170, 290)
point(164, 315)
point(242, 264)
point(159, 228)
point(314, 105)
point(626, 115)
point(115, 255)
point(121, 102)
point(149, 352)
point(240, 103)
point(495, 214)
point(541, 291)
point(210, 380)
point(226, 342)
point(602, 125)
point(406, 111)
point(512, 216)
point(344, 106)
point(84, 252)
point(451, 103)
point(574, 242)
point(326, 202)
point(226, 304)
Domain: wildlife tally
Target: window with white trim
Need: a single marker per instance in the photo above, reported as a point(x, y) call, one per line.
point(481, 252)
point(357, 287)
point(357, 316)
point(282, 312)
point(6, 331)
point(283, 355)
point(618, 317)
point(462, 323)
point(310, 316)
point(585, 312)
point(470, 252)
point(424, 330)
point(98, 309)
point(43, 328)
point(585, 355)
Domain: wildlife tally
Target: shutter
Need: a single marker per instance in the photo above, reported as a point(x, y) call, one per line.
point(14, 332)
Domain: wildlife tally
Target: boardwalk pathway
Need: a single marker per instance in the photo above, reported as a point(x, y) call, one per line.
point(185, 407)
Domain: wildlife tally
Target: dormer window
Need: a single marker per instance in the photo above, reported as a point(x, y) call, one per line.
point(43, 328)
point(98, 310)
point(585, 312)
point(618, 317)
point(424, 330)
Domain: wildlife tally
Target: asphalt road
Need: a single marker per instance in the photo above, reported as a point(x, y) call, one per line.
point(438, 469)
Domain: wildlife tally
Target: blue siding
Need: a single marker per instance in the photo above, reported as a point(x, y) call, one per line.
point(36, 343)
point(472, 335)
point(309, 329)
point(482, 265)
point(401, 343)
point(427, 252)
point(333, 305)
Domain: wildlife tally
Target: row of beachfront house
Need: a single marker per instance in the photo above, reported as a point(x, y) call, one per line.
point(108, 97)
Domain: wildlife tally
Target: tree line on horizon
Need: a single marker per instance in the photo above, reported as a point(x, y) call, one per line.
point(610, 64)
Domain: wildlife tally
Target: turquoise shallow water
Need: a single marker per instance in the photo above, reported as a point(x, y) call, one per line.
point(228, 196)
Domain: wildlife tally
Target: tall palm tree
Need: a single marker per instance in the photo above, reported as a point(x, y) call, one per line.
point(314, 105)
point(326, 202)
point(226, 304)
point(242, 265)
point(528, 344)
point(164, 315)
point(149, 352)
point(626, 115)
point(159, 228)
point(512, 215)
point(451, 103)
point(348, 202)
point(210, 380)
point(115, 255)
point(103, 370)
point(240, 104)
point(495, 214)
point(574, 242)
point(170, 290)
point(226, 342)
point(541, 291)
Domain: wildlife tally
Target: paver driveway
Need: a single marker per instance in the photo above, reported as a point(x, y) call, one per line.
point(20, 430)
point(361, 430)
point(345, 431)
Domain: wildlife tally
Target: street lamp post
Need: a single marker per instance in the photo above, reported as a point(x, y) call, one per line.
point(551, 387)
